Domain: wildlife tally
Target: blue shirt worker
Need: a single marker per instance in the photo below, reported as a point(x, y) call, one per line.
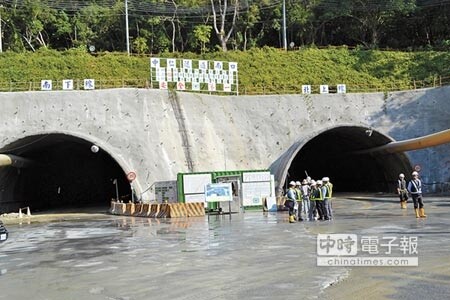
point(415, 189)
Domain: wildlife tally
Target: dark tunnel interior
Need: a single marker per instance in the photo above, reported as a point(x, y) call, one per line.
point(330, 155)
point(64, 173)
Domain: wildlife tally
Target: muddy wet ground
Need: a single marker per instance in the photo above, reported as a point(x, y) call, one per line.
point(254, 255)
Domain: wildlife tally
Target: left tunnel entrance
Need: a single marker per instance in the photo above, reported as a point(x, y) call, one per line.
point(64, 173)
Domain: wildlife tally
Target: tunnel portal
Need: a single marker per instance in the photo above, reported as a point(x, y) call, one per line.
point(330, 154)
point(64, 173)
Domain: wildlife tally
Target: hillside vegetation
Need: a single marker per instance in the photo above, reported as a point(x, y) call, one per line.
point(265, 70)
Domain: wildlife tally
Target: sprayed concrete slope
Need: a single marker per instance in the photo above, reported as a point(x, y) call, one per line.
point(159, 133)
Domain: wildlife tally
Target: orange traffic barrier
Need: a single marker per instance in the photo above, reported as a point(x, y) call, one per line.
point(154, 210)
point(164, 211)
point(137, 209)
point(177, 210)
point(112, 208)
point(145, 210)
point(129, 209)
point(195, 209)
point(119, 208)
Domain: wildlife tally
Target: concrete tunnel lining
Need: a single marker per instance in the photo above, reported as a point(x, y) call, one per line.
point(65, 174)
point(328, 153)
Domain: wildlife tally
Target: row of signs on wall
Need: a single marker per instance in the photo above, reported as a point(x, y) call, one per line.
point(67, 84)
point(195, 75)
point(324, 89)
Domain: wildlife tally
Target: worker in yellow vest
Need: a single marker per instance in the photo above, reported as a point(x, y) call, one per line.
point(327, 197)
point(298, 188)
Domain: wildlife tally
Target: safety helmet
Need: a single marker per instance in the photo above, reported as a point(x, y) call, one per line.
point(313, 182)
point(304, 181)
point(415, 173)
point(292, 183)
point(326, 179)
point(319, 181)
point(401, 175)
point(298, 183)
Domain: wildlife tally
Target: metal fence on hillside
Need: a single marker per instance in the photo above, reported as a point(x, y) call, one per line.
point(78, 84)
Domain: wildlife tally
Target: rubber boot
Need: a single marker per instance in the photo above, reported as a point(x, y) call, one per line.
point(291, 219)
point(422, 213)
point(417, 212)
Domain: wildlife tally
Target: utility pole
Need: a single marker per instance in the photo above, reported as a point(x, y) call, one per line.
point(284, 26)
point(126, 27)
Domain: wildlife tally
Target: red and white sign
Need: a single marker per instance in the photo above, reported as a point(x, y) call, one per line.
point(131, 176)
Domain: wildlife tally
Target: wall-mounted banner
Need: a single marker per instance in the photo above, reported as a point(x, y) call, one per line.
point(197, 75)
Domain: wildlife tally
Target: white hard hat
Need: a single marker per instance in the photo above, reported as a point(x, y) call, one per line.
point(292, 183)
point(319, 181)
point(304, 181)
point(298, 183)
point(401, 175)
point(326, 179)
point(415, 173)
point(313, 182)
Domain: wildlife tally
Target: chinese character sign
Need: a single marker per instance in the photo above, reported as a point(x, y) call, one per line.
point(194, 75)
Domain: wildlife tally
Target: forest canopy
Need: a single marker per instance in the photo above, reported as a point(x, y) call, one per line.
point(156, 26)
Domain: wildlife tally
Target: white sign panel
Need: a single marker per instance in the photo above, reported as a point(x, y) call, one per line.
point(46, 85)
point(324, 89)
point(187, 64)
point(233, 66)
point(195, 86)
point(195, 183)
point(171, 63)
point(203, 64)
point(155, 62)
point(67, 84)
point(218, 65)
point(341, 89)
point(306, 89)
point(256, 176)
point(253, 192)
point(89, 84)
point(163, 85)
point(219, 192)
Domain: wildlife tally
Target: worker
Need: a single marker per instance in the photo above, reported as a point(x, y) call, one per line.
point(327, 197)
point(415, 189)
point(401, 190)
point(323, 215)
point(291, 197)
point(314, 194)
point(298, 188)
point(306, 203)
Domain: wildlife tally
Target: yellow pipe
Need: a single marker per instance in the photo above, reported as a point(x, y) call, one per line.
point(5, 160)
point(426, 141)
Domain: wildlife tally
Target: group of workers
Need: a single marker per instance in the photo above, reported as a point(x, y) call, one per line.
point(309, 200)
point(413, 188)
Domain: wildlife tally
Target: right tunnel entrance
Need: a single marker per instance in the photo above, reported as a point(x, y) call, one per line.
point(331, 154)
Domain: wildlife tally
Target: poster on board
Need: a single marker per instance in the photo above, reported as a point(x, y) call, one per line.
point(219, 192)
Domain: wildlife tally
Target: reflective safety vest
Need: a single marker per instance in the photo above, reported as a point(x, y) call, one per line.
point(329, 194)
point(316, 194)
point(299, 194)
